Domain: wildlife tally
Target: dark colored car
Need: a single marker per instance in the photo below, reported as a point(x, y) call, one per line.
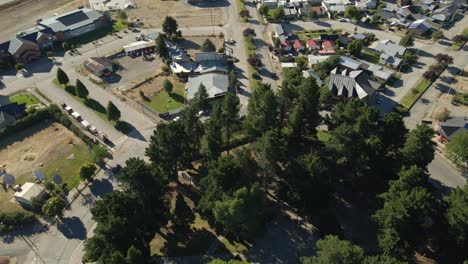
point(116, 168)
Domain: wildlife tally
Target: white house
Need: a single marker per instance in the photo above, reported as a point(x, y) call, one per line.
point(27, 192)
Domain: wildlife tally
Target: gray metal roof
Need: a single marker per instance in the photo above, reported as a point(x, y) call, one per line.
point(349, 63)
point(16, 43)
point(71, 20)
point(454, 126)
point(216, 84)
point(388, 47)
point(352, 84)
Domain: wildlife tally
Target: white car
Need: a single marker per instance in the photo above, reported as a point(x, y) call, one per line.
point(200, 113)
point(343, 20)
point(176, 118)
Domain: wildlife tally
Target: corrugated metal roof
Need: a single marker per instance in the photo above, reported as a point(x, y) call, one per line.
point(216, 84)
point(71, 20)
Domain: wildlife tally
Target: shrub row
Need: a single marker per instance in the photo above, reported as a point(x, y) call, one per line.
point(15, 221)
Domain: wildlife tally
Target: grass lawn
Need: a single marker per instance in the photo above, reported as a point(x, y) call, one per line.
point(119, 25)
point(306, 34)
point(457, 45)
point(232, 247)
point(414, 94)
point(24, 98)
point(370, 57)
point(68, 169)
point(461, 98)
point(98, 108)
point(163, 102)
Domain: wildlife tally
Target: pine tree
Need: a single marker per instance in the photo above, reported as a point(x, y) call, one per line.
point(81, 89)
point(62, 77)
point(113, 113)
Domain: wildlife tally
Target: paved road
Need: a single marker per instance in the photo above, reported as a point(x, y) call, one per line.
point(444, 173)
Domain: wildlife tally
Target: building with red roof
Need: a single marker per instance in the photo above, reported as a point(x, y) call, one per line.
point(328, 45)
point(298, 45)
point(313, 44)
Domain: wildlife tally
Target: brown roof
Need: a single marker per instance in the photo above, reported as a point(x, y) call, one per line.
point(97, 63)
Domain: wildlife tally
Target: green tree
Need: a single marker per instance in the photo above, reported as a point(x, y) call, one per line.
point(232, 79)
point(167, 148)
point(200, 98)
point(62, 77)
point(225, 175)
point(81, 89)
point(220, 261)
point(212, 141)
point(194, 131)
point(242, 213)
point(99, 153)
point(182, 216)
point(438, 34)
point(277, 43)
point(324, 68)
point(419, 148)
point(409, 57)
point(457, 149)
point(270, 150)
point(393, 132)
point(208, 46)
point(382, 259)
point(169, 25)
point(230, 115)
point(352, 12)
point(262, 111)
point(135, 255)
point(333, 250)
point(167, 86)
point(355, 47)
point(54, 206)
point(66, 46)
point(456, 215)
point(263, 9)
point(301, 62)
point(407, 40)
point(113, 113)
point(278, 14)
point(161, 48)
point(87, 171)
point(312, 14)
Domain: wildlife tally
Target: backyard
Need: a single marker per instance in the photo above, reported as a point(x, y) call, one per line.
point(192, 44)
point(24, 98)
point(307, 34)
point(158, 99)
point(32, 149)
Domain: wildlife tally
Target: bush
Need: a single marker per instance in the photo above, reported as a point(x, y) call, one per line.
point(15, 221)
point(123, 127)
point(99, 153)
point(248, 32)
point(19, 66)
point(70, 89)
point(461, 98)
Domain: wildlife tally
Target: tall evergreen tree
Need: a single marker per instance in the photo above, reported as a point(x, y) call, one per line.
point(169, 25)
point(113, 113)
point(161, 48)
point(81, 89)
point(262, 111)
point(200, 98)
point(230, 114)
point(419, 148)
point(62, 76)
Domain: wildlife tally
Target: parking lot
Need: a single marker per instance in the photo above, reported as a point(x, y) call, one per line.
point(133, 71)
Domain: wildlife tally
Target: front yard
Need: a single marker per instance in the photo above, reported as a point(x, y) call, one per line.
point(155, 97)
point(24, 98)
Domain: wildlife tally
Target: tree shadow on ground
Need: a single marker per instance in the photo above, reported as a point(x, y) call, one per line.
point(188, 44)
point(129, 130)
point(72, 228)
point(183, 242)
point(179, 98)
point(445, 89)
point(95, 105)
point(34, 228)
point(101, 187)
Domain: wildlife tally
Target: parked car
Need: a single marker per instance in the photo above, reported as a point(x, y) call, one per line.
point(343, 19)
point(176, 118)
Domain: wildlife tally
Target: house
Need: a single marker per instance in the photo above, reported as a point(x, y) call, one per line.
point(210, 62)
point(9, 112)
point(180, 60)
point(328, 45)
point(279, 31)
point(349, 63)
point(419, 27)
point(331, 37)
point(390, 53)
point(99, 66)
point(313, 44)
point(353, 84)
point(216, 85)
point(270, 3)
point(379, 72)
point(28, 191)
point(447, 13)
point(24, 51)
point(453, 126)
point(386, 15)
point(285, 46)
point(406, 12)
point(311, 73)
point(297, 44)
point(140, 47)
point(357, 36)
point(74, 23)
point(290, 11)
point(335, 6)
point(327, 52)
point(40, 35)
point(314, 59)
point(363, 5)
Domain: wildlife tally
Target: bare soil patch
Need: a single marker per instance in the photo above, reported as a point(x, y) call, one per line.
point(19, 15)
point(152, 87)
point(35, 146)
point(153, 12)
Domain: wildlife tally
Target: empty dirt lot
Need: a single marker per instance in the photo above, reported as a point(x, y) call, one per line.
point(19, 15)
point(153, 12)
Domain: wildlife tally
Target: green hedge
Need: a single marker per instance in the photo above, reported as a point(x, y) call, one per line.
point(15, 221)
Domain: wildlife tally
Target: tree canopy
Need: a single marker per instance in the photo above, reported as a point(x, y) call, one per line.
point(169, 25)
